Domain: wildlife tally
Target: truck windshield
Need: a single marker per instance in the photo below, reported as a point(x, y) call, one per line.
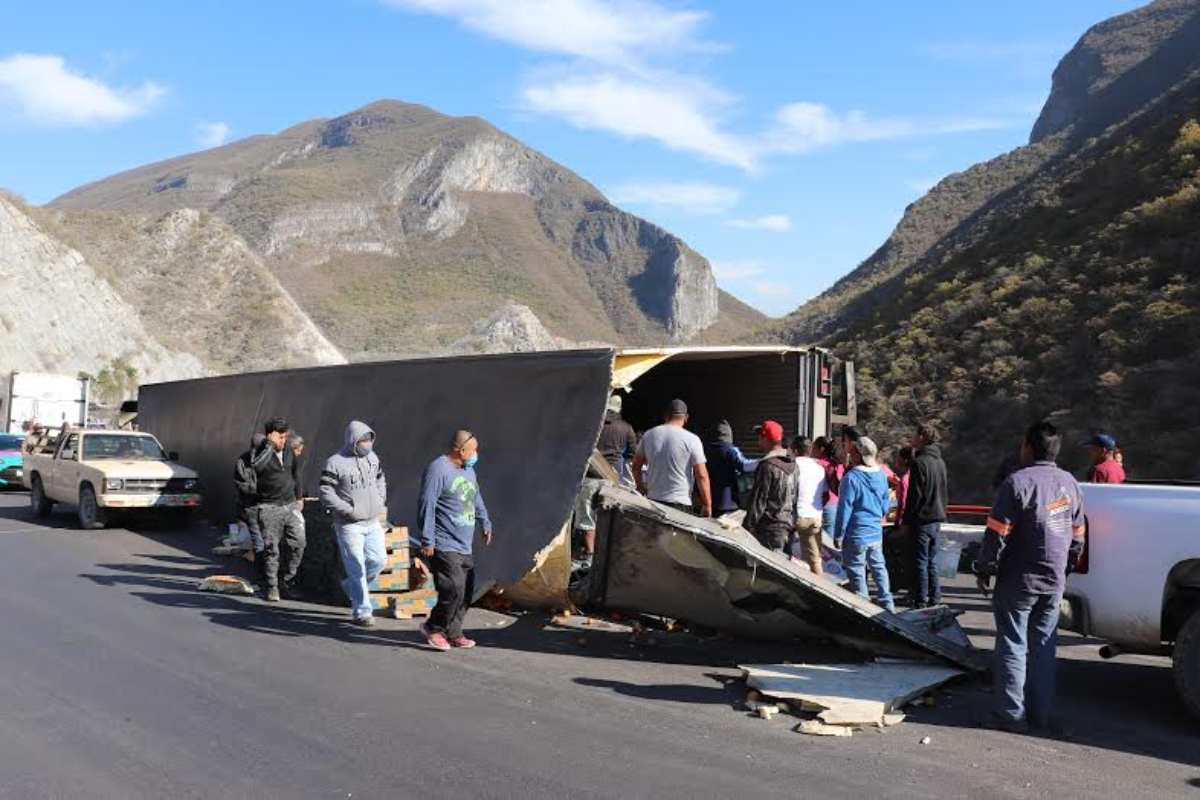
point(122, 446)
point(10, 441)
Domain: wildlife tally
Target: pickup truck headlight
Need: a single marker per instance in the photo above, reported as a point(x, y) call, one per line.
point(113, 484)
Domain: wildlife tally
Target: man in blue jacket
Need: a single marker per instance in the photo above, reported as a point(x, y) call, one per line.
point(858, 530)
point(354, 489)
point(449, 507)
point(1034, 538)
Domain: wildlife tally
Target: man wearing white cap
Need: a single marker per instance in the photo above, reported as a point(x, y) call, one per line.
point(858, 531)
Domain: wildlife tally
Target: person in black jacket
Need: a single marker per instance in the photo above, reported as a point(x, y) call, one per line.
point(771, 508)
point(726, 465)
point(278, 486)
point(245, 484)
point(925, 511)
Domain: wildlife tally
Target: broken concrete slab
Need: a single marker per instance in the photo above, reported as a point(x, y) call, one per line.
point(814, 727)
point(848, 694)
point(657, 560)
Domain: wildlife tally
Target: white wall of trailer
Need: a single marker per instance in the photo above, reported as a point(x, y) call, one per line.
point(50, 399)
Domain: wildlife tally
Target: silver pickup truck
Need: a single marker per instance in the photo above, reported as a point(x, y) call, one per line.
point(1138, 583)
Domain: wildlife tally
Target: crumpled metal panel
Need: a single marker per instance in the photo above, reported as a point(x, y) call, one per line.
point(537, 416)
point(653, 559)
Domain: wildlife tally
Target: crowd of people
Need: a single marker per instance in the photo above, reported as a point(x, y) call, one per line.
point(812, 500)
point(353, 489)
point(842, 490)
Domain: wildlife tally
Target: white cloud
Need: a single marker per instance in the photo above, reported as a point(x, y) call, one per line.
point(212, 134)
point(680, 116)
point(626, 74)
point(776, 223)
point(615, 32)
point(802, 127)
point(774, 289)
point(694, 197)
point(738, 270)
point(45, 91)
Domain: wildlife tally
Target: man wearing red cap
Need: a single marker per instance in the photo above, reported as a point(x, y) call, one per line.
point(771, 511)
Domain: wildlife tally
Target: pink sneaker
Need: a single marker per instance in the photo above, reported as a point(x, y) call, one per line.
point(462, 642)
point(435, 639)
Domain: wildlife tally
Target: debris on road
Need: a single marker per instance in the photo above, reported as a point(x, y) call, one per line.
point(226, 584)
point(925, 740)
point(850, 695)
point(653, 559)
point(814, 727)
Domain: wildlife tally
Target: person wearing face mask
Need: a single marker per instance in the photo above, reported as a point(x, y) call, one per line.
point(354, 490)
point(449, 507)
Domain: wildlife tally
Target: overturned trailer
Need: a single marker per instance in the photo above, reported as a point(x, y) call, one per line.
point(537, 417)
point(651, 558)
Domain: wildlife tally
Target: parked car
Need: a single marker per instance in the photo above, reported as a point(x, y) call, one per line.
point(102, 472)
point(1138, 583)
point(10, 460)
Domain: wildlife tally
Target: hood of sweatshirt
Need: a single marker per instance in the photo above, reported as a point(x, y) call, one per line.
point(931, 449)
point(354, 431)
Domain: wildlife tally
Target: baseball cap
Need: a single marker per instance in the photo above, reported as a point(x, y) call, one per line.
point(614, 404)
point(677, 408)
point(771, 430)
point(1102, 440)
point(867, 449)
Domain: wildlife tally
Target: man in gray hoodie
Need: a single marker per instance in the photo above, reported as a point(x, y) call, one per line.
point(353, 488)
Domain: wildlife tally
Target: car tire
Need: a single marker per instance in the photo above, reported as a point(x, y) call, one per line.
point(38, 501)
point(91, 516)
point(1185, 663)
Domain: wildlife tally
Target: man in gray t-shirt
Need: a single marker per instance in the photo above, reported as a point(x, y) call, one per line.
point(674, 460)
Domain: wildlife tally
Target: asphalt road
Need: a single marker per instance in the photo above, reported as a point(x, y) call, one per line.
point(119, 680)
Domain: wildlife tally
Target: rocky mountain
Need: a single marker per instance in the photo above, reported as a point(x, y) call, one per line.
point(61, 315)
point(394, 229)
point(1059, 279)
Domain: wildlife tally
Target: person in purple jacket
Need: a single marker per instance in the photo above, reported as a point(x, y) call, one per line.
point(449, 507)
point(858, 530)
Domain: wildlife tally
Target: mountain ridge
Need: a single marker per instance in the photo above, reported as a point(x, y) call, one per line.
point(389, 231)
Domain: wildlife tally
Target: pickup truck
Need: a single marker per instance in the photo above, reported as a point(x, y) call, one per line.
point(101, 472)
point(1137, 585)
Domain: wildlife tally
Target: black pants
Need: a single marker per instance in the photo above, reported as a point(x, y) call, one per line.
point(774, 538)
point(928, 585)
point(454, 577)
point(280, 524)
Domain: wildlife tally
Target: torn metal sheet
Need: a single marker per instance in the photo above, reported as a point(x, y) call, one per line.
point(848, 694)
point(653, 559)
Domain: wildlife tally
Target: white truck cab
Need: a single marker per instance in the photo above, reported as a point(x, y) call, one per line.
point(1138, 583)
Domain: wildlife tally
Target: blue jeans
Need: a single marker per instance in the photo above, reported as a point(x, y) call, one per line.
point(1025, 623)
point(363, 555)
point(857, 558)
point(828, 518)
point(925, 540)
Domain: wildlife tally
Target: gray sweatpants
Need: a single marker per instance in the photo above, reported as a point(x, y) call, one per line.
point(281, 525)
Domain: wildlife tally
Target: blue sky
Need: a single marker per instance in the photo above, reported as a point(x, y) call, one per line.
point(783, 143)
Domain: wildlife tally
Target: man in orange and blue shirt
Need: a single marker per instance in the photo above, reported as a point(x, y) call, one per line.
point(1034, 539)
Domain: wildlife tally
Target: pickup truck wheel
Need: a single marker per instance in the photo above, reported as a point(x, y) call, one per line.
point(1185, 663)
point(37, 498)
point(91, 516)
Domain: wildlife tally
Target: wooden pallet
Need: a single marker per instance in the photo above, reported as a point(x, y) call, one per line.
point(404, 605)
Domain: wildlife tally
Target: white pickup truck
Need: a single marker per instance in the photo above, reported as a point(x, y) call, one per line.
point(101, 471)
point(1138, 583)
